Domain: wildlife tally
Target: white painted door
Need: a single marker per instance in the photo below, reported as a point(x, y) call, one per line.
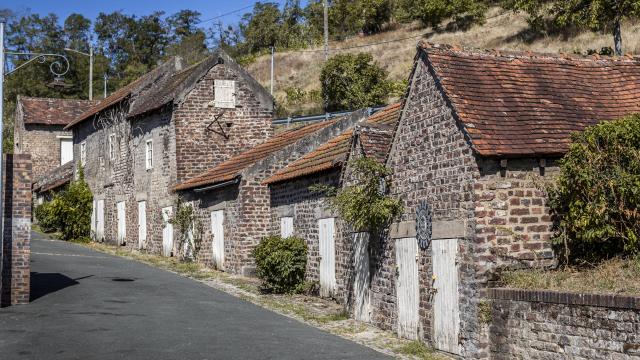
point(327, 257)
point(100, 221)
point(142, 224)
point(407, 287)
point(167, 232)
point(361, 283)
point(446, 316)
point(122, 223)
point(217, 231)
point(93, 220)
point(66, 150)
point(286, 226)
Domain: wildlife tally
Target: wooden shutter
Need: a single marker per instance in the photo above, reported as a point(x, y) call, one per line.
point(225, 94)
point(286, 226)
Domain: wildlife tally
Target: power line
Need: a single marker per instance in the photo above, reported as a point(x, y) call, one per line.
point(225, 14)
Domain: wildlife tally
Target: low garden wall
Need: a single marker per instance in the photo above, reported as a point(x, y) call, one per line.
point(531, 324)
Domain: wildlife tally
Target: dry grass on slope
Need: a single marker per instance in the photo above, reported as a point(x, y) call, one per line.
point(503, 30)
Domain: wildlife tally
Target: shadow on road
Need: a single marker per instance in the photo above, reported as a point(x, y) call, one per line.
point(46, 283)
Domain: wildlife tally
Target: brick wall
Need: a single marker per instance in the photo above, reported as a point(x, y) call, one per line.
point(42, 142)
point(200, 143)
point(16, 242)
point(529, 324)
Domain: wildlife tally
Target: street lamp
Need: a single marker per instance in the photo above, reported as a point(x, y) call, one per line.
point(90, 55)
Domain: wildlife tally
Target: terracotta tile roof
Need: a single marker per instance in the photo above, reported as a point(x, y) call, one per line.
point(162, 71)
point(375, 141)
point(333, 153)
point(47, 111)
point(523, 104)
point(232, 168)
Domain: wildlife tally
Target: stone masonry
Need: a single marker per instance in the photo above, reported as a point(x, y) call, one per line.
point(16, 247)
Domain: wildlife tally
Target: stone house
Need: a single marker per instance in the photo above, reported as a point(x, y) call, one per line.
point(480, 134)
point(298, 210)
point(39, 130)
point(233, 203)
point(51, 182)
point(166, 126)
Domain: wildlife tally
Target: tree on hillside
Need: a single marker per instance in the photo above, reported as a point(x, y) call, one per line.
point(463, 13)
point(353, 81)
point(597, 15)
point(348, 17)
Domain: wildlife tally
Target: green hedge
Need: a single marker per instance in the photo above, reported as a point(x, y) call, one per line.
point(597, 194)
point(281, 263)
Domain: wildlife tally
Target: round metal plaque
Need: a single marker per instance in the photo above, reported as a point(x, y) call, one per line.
point(424, 217)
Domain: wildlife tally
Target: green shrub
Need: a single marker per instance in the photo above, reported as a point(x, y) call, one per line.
point(596, 196)
point(69, 212)
point(281, 263)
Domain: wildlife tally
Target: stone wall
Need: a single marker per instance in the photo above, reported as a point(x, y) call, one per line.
point(529, 324)
point(42, 142)
point(16, 241)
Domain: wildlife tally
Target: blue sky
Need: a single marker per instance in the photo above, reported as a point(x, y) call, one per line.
point(91, 8)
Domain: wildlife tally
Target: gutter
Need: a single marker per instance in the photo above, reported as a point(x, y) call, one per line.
point(233, 181)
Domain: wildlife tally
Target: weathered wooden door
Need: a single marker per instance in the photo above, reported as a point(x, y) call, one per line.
point(446, 316)
point(100, 221)
point(93, 220)
point(122, 223)
point(142, 224)
point(167, 231)
point(327, 249)
point(66, 150)
point(286, 226)
point(407, 287)
point(361, 281)
point(217, 230)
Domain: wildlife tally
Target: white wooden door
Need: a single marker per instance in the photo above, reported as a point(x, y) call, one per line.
point(446, 315)
point(93, 220)
point(66, 150)
point(217, 231)
point(142, 224)
point(167, 232)
point(327, 257)
point(361, 283)
point(100, 221)
point(286, 226)
point(407, 287)
point(122, 223)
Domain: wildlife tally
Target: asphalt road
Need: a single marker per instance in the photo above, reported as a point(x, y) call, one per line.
point(89, 305)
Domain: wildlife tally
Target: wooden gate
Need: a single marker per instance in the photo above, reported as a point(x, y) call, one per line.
point(327, 257)
point(122, 223)
point(361, 281)
point(446, 315)
point(142, 224)
point(100, 221)
point(407, 287)
point(167, 231)
point(217, 231)
point(286, 226)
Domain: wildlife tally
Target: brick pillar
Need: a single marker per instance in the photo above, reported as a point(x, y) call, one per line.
point(16, 241)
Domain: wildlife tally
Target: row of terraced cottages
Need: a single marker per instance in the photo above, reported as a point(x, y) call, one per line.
point(470, 146)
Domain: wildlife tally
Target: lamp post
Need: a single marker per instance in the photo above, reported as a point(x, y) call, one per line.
point(90, 55)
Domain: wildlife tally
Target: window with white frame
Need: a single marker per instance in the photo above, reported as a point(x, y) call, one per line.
point(149, 155)
point(83, 153)
point(112, 147)
point(66, 150)
point(224, 92)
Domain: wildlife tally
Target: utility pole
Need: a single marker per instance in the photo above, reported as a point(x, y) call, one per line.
point(272, 54)
point(91, 72)
point(325, 5)
point(1, 125)
point(105, 86)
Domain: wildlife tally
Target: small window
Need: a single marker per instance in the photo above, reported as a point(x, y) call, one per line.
point(112, 146)
point(83, 153)
point(66, 150)
point(224, 93)
point(149, 155)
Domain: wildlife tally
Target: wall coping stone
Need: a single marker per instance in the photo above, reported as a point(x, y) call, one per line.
point(566, 298)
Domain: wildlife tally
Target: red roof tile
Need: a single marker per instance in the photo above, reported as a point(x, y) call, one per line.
point(232, 168)
point(333, 153)
point(47, 111)
point(517, 104)
point(375, 141)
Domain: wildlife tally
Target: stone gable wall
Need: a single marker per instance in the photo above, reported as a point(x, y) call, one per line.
point(529, 324)
point(42, 142)
point(200, 144)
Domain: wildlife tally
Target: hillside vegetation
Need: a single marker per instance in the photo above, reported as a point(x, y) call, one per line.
point(297, 73)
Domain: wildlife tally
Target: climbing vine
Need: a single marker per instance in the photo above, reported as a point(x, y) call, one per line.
point(189, 228)
point(363, 202)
